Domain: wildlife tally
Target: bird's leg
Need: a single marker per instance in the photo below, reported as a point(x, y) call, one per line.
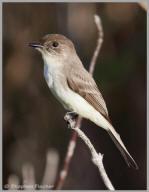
point(71, 118)
point(72, 115)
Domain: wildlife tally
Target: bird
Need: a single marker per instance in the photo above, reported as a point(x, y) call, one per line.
point(74, 87)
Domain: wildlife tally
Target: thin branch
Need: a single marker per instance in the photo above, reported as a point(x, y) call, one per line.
point(70, 152)
point(143, 5)
point(97, 20)
point(73, 139)
point(96, 158)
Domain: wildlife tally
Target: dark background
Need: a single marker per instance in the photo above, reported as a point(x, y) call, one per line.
point(33, 118)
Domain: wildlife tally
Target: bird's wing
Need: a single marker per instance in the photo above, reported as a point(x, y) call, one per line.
point(82, 83)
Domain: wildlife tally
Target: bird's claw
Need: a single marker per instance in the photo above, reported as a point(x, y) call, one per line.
point(70, 118)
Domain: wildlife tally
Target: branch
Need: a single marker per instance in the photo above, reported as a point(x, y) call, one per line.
point(96, 158)
point(72, 142)
point(98, 23)
point(143, 5)
point(69, 154)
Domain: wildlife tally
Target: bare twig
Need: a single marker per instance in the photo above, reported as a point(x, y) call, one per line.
point(99, 43)
point(143, 5)
point(96, 158)
point(70, 152)
point(72, 141)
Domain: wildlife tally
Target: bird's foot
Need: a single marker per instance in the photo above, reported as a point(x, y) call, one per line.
point(71, 118)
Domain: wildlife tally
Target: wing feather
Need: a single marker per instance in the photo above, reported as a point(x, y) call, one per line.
point(83, 84)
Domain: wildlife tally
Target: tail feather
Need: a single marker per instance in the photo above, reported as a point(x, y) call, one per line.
point(118, 142)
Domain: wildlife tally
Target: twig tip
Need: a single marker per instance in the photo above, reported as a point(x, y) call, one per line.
point(96, 19)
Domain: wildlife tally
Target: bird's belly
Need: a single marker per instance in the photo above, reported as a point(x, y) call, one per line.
point(61, 97)
point(79, 105)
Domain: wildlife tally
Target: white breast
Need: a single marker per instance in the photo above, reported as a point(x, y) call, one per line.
point(48, 76)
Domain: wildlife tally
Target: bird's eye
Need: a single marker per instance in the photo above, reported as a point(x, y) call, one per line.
point(55, 44)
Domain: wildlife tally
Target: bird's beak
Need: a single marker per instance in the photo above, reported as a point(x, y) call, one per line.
point(35, 45)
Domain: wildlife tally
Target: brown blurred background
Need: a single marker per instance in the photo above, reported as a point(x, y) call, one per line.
point(33, 118)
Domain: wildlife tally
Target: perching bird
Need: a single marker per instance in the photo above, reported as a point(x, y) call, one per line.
point(74, 87)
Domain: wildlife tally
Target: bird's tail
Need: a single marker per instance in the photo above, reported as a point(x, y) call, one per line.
point(118, 142)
